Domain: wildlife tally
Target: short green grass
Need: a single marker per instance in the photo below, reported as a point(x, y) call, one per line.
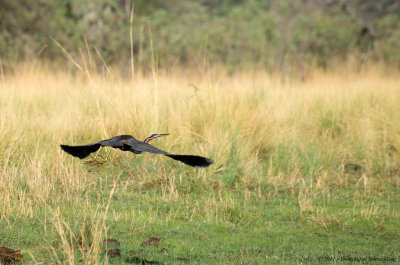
point(305, 172)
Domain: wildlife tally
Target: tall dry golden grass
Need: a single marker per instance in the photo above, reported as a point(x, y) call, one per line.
point(333, 129)
point(246, 117)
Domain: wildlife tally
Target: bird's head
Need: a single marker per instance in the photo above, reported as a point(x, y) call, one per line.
point(154, 137)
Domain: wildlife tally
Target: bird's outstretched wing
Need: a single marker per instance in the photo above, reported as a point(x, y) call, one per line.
point(194, 161)
point(81, 151)
point(139, 147)
point(191, 160)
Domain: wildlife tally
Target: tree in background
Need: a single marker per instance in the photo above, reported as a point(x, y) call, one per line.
point(237, 33)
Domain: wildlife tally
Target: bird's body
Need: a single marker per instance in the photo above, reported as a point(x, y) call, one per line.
point(129, 143)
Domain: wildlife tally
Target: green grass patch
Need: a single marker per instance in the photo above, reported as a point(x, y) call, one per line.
point(212, 226)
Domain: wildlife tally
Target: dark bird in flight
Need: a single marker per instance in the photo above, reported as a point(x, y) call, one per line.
point(129, 143)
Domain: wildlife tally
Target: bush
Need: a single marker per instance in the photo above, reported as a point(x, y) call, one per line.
point(232, 32)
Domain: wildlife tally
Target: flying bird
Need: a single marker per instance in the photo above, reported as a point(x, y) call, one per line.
point(129, 143)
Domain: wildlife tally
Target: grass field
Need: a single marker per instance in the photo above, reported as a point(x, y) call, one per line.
point(305, 171)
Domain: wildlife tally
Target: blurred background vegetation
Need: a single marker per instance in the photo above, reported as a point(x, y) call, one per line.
point(270, 34)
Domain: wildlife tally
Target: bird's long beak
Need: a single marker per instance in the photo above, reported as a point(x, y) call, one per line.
point(159, 135)
point(154, 137)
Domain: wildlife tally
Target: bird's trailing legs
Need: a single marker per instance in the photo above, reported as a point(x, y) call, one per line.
point(91, 160)
point(105, 160)
point(99, 161)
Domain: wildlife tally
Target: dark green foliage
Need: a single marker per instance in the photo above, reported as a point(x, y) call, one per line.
point(237, 33)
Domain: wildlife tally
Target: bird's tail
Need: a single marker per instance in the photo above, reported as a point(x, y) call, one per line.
point(80, 151)
point(194, 161)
